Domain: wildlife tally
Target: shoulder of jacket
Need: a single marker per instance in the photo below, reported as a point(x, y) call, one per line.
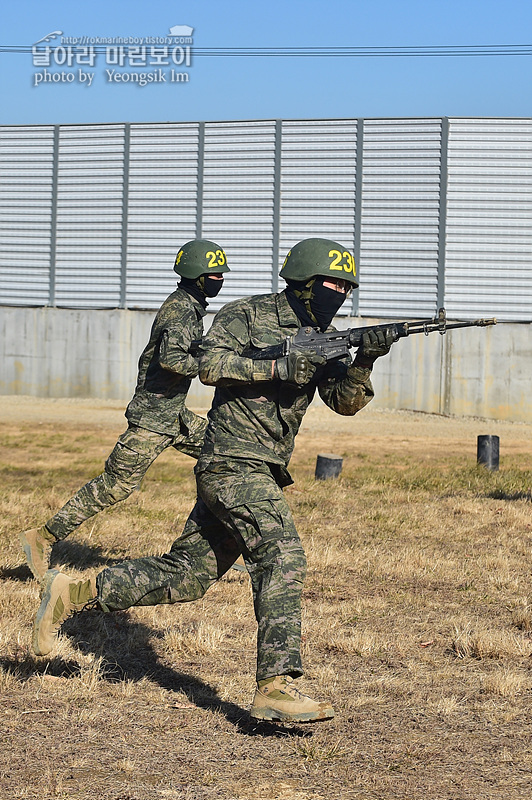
point(248, 303)
point(177, 308)
point(178, 300)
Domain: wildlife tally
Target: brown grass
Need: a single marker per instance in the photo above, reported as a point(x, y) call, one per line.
point(417, 624)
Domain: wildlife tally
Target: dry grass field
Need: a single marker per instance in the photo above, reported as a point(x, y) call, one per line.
point(417, 624)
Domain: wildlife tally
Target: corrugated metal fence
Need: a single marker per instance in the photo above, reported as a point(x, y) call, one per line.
point(438, 211)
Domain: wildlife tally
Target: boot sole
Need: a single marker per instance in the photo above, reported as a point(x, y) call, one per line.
point(48, 580)
point(273, 715)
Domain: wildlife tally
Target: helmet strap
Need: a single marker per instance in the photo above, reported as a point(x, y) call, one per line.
point(299, 295)
point(305, 294)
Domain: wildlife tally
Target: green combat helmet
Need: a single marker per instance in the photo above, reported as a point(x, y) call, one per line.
point(313, 257)
point(199, 257)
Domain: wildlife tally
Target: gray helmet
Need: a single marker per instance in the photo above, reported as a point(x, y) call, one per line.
point(199, 257)
point(313, 257)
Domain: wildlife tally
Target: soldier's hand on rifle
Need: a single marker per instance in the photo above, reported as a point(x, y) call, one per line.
point(297, 368)
point(374, 345)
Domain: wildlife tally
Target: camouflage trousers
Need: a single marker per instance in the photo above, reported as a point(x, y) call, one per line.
point(124, 470)
point(240, 510)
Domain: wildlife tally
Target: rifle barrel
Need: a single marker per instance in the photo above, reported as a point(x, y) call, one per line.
point(440, 325)
point(479, 323)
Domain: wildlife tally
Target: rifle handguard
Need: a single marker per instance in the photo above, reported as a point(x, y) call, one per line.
point(337, 344)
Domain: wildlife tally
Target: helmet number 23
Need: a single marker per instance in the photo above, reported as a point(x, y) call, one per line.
point(346, 265)
point(217, 259)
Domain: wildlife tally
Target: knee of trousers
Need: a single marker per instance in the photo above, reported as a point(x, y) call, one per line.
point(124, 470)
point(118, 489)
point(191, 588)
point(119, 483)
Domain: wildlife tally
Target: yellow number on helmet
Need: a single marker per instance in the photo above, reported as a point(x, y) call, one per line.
point(347, 265)
point(336, 258)
point(217, 259)
point(350, 266)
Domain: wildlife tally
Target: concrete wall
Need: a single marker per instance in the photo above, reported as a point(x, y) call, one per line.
point(52, 352)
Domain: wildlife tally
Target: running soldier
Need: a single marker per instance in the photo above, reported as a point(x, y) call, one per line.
point(157, 415)
point(256, 413)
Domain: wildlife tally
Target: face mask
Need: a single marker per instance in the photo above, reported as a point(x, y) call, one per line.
point(201, 287)
point(211, 286)
point(324, 303)
point(314, 304)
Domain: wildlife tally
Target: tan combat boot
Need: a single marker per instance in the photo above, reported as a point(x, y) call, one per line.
point(37, 544)
point(278, 700)
point(61, 596)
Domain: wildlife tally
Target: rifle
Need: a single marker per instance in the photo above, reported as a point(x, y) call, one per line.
point(335, 344)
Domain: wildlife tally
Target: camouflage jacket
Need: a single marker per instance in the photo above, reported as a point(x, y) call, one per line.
point(254, 416)
point(166, 367)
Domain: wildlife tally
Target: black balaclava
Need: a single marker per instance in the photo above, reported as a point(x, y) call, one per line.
point(201, 288)
point(313, 303)
point(211, 286)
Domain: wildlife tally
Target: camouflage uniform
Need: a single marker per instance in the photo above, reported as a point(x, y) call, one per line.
point(157, 415)
point(240, 474)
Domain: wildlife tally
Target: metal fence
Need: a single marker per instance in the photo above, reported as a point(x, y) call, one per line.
point(438, 211)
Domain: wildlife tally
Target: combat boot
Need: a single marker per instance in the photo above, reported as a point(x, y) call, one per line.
point(61, 597)
point(37, 544)
point(277, 699)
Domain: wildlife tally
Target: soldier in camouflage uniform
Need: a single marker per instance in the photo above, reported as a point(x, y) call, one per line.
point(256, 413)
point(157, 415)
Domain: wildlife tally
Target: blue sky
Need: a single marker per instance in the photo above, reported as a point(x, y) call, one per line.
point(257, 88)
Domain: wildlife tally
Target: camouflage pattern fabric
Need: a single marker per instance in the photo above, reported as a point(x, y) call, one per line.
point(240, 509)
point(166, 367)
point(157, 415)
point(253, 416)
point(240, 474)
point(125, 468)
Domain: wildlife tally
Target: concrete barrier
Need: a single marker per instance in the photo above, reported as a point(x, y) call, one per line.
point(57, 352)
